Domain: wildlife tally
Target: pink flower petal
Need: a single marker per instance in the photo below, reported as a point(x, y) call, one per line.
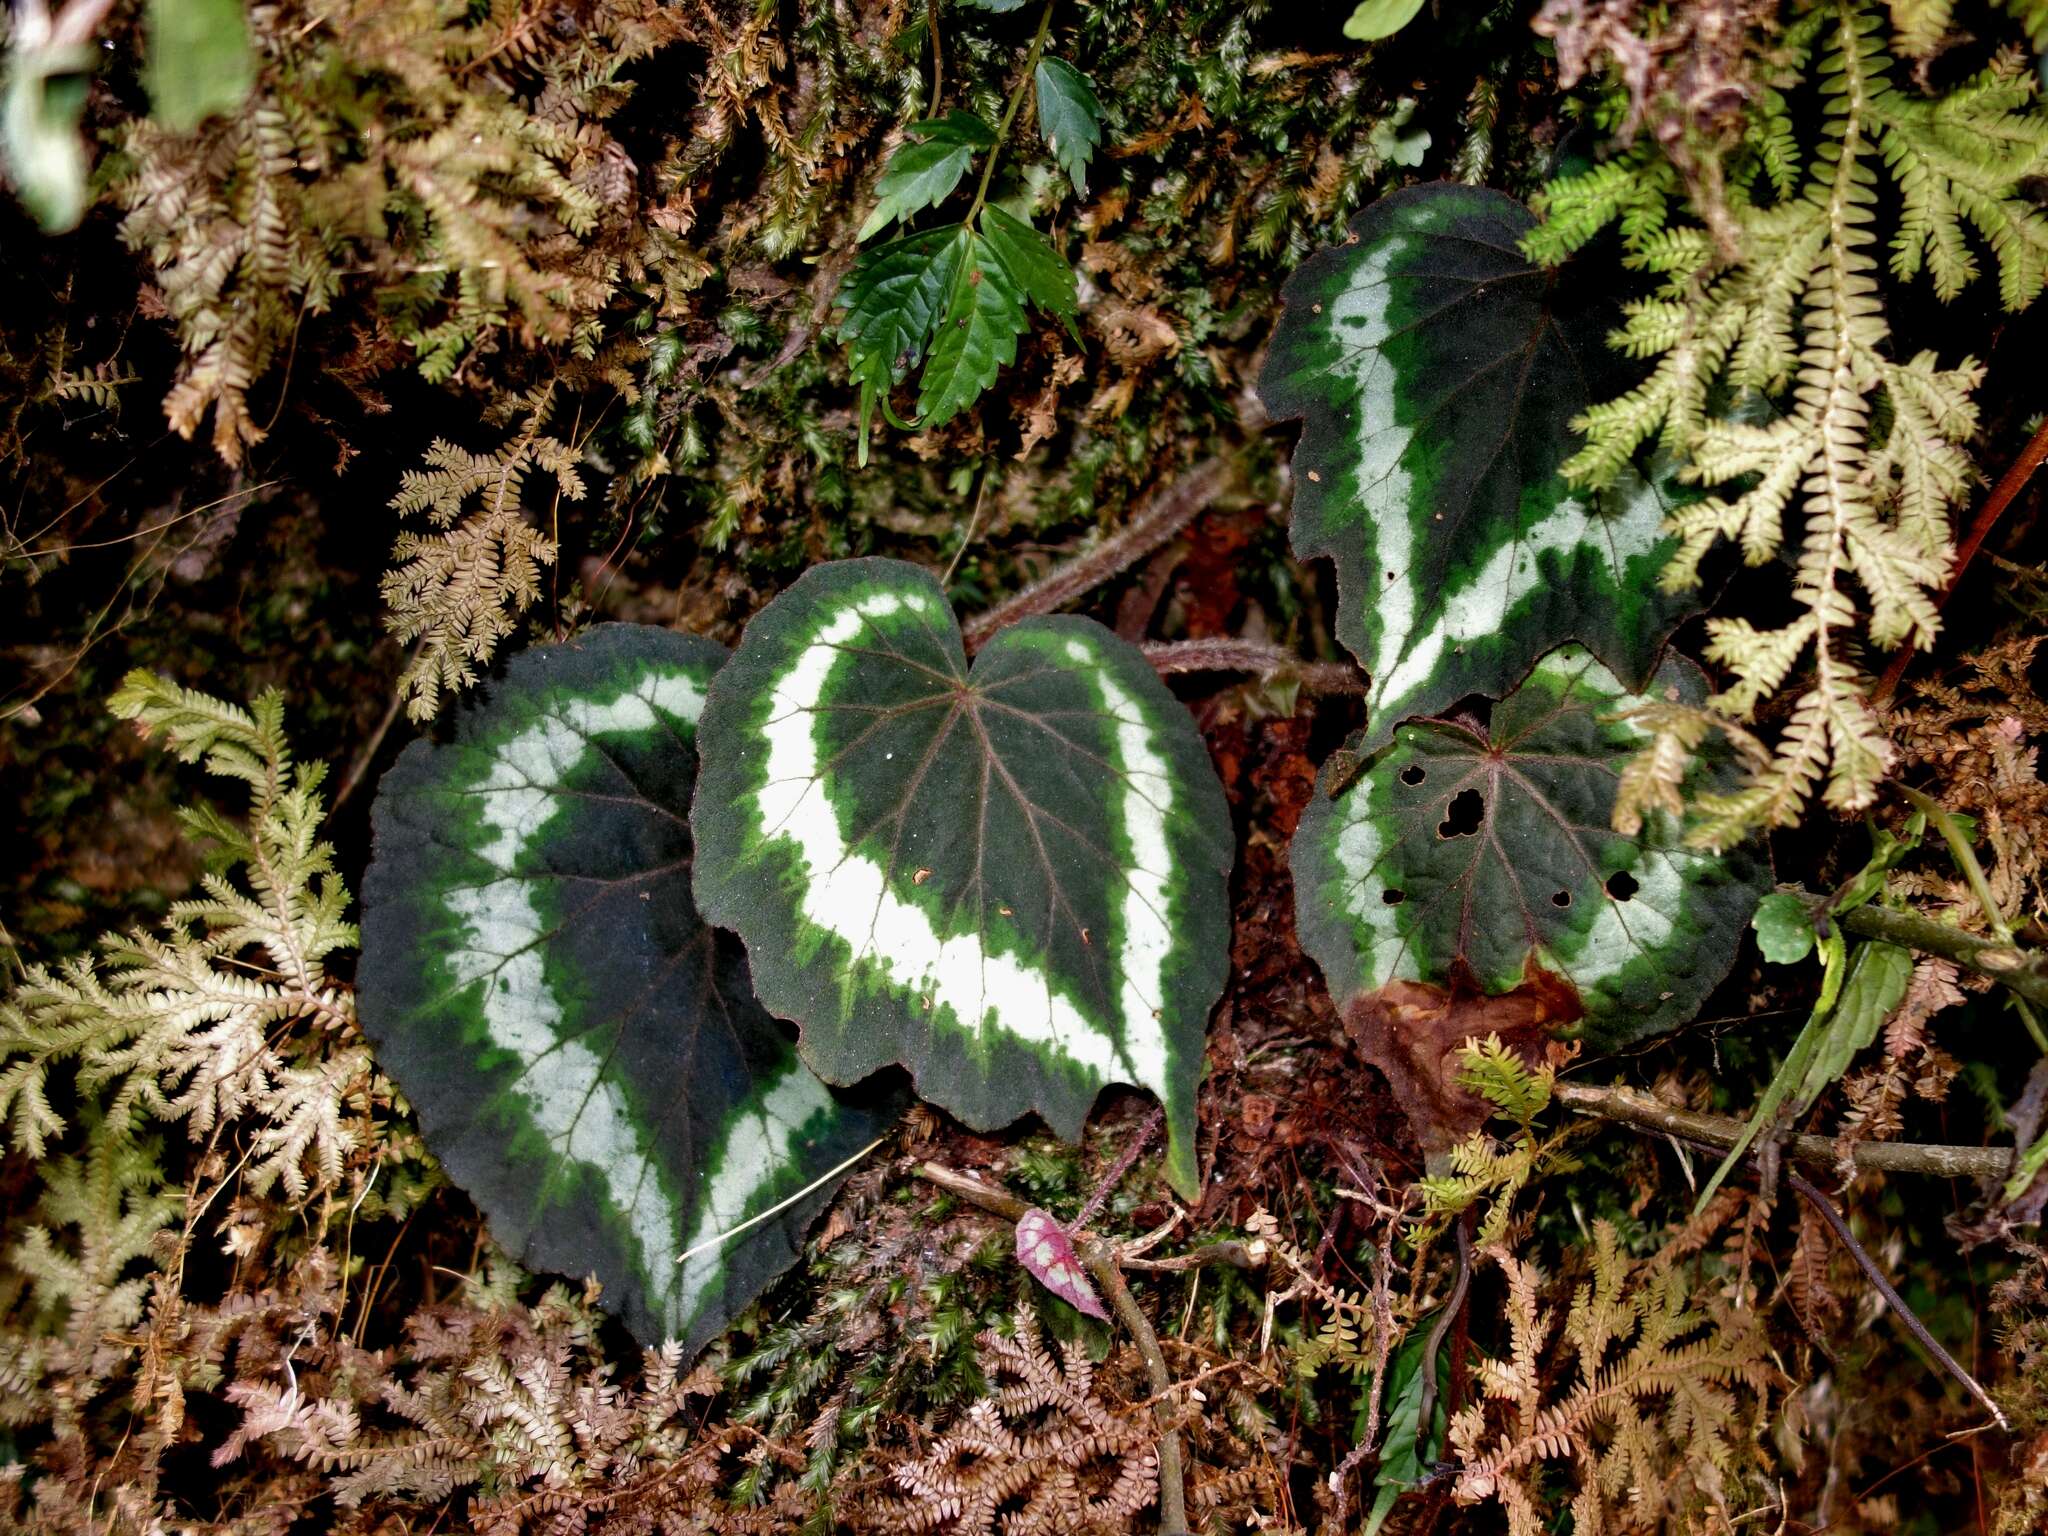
point(1044, 1249)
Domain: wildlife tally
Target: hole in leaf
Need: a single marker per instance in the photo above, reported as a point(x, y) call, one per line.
point(1413, 774)
point(1393, 898)
point(1561, 898)
point(1463, 815)
point(1621, 885)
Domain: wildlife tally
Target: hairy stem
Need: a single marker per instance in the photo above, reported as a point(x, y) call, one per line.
point(2019, 970)
point(1163, 516)
point(1259, 656)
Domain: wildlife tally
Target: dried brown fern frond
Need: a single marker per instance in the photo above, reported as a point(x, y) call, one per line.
point(1646, 1403)
point(459, 588)
point(1041, 1455)
point(455, 167)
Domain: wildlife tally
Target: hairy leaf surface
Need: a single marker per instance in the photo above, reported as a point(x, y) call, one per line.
point(1010, 879)
point(977, 334)
point(1437, 371)
point(1470, 853)
point(585, 1054)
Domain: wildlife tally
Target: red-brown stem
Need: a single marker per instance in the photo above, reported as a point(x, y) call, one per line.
point(2003, 494)
point(1259, 656)
point(1159, 520)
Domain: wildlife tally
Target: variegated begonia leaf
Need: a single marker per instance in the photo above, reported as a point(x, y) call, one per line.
point(1470, 854)
point(1009, 879)
point(585, 1054)
point(1437, 372)
point(1047, 1253)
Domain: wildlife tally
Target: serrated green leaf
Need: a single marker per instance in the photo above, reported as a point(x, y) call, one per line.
point(1375, 19)
point(976, 336)
point(893, 298)
point(1784, 930)
point(200, 63)
point(585, 1054)
point(923, 172)
point(1042, 272)
point(1438, 372)
point(1011, 880)
point(1470, 850)
point(1069, 117)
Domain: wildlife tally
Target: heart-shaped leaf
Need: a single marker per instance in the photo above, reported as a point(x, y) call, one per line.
point(1437, 371)
point(1011, 880)
point(1476, 855)
point(585, 1054)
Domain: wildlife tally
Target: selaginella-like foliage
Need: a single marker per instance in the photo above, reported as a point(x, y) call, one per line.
point(585, 1053)
point(1866, 449)
point(177, 1025)
point(1009, 879)
point(1437, 371)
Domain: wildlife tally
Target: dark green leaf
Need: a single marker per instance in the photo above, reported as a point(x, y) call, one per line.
point(893, 297)
point(1438, 372)
point(1000, 7)
point(1375, 19)
point(585, 1054)
point(923, 174)
point(1037, 268)
point(1784, 930)
point(1069, 117)
point(956, 127)
point(200, 63)
point(1011, 880)
point(1474, 851)
point(976, 337)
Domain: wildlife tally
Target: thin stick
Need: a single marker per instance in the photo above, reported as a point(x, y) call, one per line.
point(780, 1205)
point(973, 523)
point(1905, 1314)
point(1626, 1106)
point(1158, 520)
point(2010, 484)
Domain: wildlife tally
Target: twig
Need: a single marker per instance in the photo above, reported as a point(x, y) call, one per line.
point(1173, 1493)
point(1905, 1314)
point(1102, 1264)
point(1259, 656)
point(1025, 78)
point(2010, 484)
point(1382, 1342)
point(366, 754)
point(1628, 1107)
point(1160, 519)
point(2019, 970)
point(1228, 1251)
